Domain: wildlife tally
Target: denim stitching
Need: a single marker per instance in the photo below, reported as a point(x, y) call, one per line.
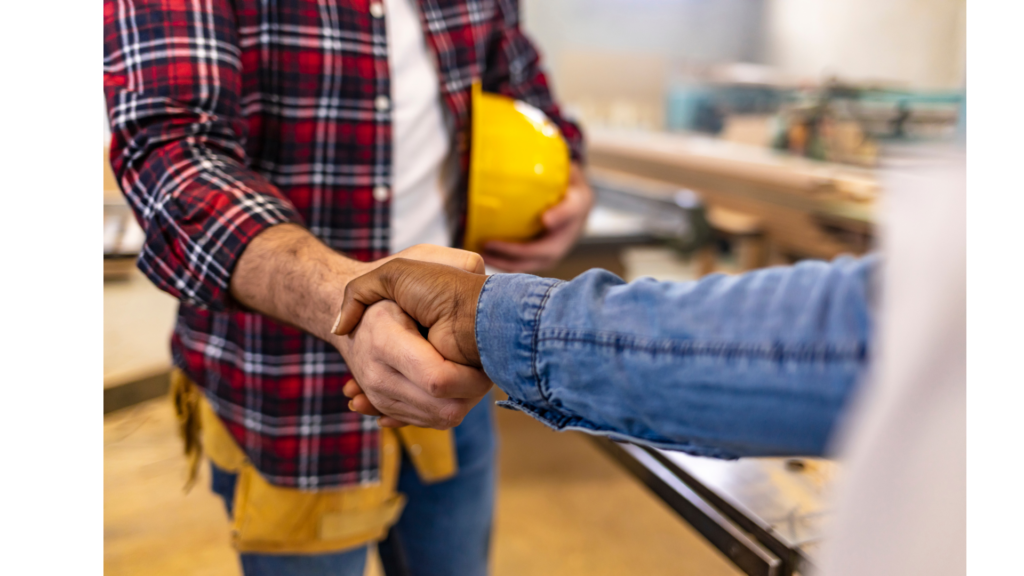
point(487, 287)
point(536, 336)
point(776, 352)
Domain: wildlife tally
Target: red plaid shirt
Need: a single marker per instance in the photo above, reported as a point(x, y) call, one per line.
point(230, 116)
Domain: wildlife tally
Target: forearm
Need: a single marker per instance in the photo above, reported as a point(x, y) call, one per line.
point(290, 275)
point(727, 366)
point(177, 145)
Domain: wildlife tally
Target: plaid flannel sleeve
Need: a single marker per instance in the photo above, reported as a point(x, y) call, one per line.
point(172, 82)
point(513, 69)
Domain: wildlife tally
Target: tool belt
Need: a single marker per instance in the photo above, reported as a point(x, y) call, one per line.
point(275, 519)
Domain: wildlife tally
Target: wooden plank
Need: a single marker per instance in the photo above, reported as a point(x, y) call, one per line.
point(127, 394)
point(802, 204)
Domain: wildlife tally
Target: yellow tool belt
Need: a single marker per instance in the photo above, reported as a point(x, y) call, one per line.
point(275, 519)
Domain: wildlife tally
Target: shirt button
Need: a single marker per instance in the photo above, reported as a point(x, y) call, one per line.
point(415, 449)
point(380, 193)
point(382, 103)
point(376, 9)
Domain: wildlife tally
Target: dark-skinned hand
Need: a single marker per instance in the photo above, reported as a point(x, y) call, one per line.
point(441, 298)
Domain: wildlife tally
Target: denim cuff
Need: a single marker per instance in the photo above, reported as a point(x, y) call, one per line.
point(507, 318)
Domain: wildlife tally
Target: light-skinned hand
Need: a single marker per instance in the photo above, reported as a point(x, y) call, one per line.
point(441, 298)
point(563, 224)
point(288, 274)
point(404, 376)
point(397, 369)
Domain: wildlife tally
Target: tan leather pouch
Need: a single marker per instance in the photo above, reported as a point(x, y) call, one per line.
point(273, 519)
point(432, 452)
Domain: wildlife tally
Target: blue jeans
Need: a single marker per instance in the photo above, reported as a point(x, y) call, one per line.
point(444, 530)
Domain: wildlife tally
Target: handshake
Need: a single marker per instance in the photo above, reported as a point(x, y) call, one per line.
point(432, 383)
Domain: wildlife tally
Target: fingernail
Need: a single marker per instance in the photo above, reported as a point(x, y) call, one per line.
point(337, 322)
point(351, 405)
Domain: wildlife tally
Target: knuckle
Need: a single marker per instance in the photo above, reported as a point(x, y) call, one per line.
point(373, 312)
point(434, 383)
point(451, 415)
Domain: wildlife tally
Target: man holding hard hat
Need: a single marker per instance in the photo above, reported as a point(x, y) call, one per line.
point(273, 152)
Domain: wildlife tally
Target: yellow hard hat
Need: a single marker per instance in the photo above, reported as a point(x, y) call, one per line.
point(518, 168)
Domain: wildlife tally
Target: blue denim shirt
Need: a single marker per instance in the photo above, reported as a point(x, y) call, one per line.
point(759, 364)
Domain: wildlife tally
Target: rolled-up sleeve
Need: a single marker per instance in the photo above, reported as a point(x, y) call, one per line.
point(172, 82)
point(507, 320)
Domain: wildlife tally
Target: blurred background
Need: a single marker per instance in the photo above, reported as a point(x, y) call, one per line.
point(722, 136)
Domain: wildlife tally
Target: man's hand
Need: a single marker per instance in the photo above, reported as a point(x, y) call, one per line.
point(441, 298)
point(404, 376)
point(563, 224)
point(288, 274)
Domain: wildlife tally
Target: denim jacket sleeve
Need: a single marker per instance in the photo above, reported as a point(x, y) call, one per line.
point(753, 365)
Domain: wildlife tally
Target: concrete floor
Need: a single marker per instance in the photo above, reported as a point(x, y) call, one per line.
point(563, 508)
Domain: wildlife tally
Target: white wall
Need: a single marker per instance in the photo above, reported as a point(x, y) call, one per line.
point(705, 30)
point(611, 61)
point(921, 43)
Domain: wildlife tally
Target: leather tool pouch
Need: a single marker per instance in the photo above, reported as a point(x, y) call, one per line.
point(274, 519)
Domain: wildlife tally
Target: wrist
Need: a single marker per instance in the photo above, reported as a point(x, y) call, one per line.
point(464, 324)
point(330, 290)
point(290, 275)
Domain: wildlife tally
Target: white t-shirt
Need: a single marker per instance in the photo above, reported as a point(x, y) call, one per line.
point(421, 137)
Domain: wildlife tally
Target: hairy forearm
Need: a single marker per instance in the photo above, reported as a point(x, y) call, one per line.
point(290, 275)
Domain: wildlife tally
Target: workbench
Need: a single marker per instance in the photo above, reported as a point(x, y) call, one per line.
point(764, 514)
point(808, 208)
point(138, 319)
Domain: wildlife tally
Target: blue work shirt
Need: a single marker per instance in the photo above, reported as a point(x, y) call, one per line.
point(760, 364)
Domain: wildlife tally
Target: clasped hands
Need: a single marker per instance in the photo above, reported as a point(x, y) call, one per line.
point(435, 382)
point(443, 379)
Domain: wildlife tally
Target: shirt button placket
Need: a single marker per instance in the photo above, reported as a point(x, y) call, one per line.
point(382, 103)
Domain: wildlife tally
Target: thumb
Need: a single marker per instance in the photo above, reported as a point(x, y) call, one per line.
point(573, 204)
point(560, 214)
point(368, 289)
